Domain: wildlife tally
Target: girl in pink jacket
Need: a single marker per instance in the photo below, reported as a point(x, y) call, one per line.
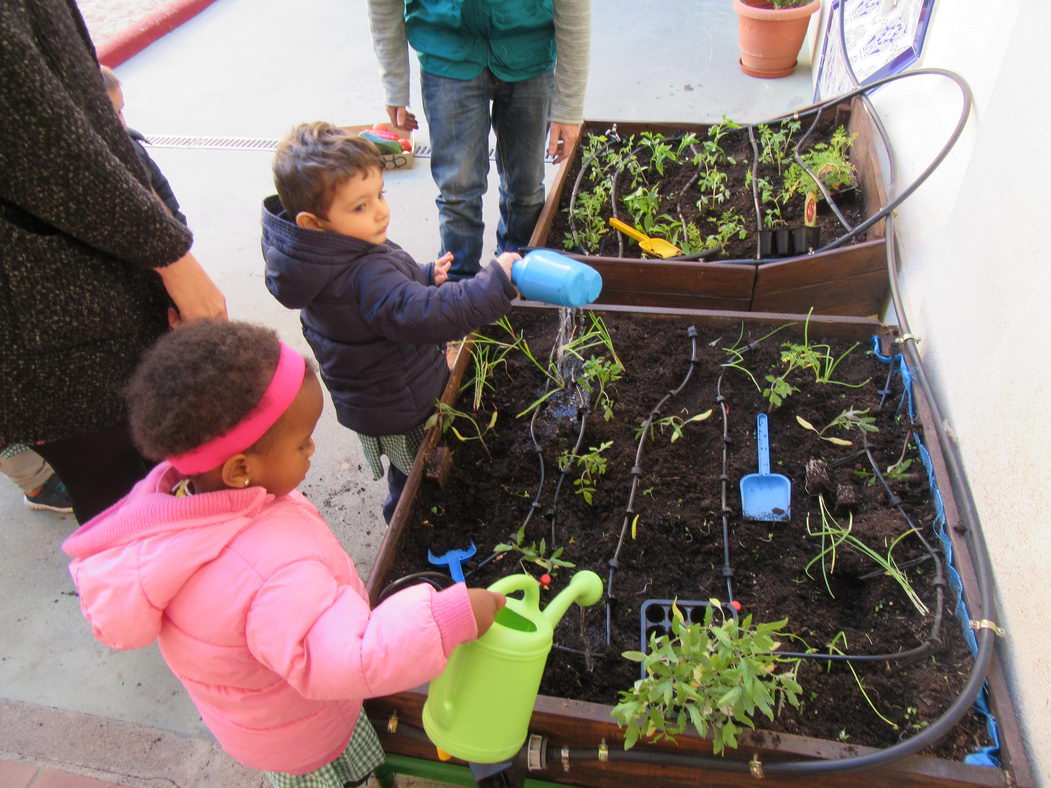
point(255, 605)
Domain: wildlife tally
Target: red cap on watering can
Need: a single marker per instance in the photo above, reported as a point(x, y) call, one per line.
point(545, 275)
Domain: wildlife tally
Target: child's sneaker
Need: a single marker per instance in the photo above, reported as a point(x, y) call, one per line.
point(51, 496)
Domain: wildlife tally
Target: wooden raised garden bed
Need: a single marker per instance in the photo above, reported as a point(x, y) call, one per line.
point(675, 547)
point(849, 280)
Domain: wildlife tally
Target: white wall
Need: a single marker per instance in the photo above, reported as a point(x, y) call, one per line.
point(976, 284)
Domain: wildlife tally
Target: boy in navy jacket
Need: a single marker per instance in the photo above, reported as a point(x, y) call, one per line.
point(375, 319)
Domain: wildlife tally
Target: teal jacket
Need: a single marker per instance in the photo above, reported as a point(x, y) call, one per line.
point(514, 39)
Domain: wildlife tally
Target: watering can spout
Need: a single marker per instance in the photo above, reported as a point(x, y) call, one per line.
point(585, 589)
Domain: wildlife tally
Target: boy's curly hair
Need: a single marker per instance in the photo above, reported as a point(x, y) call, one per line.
point(197, 382)
point(315, 159)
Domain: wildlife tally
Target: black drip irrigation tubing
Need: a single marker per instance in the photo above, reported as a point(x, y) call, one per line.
point(724, 486)
point(636, 471)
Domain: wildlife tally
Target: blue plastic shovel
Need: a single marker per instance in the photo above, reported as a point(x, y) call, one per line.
point(765, 496)
point(452, 559)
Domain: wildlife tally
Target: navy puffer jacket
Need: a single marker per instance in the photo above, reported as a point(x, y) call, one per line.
point(375, 323)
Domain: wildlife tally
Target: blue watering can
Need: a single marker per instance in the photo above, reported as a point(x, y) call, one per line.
point(544, 275)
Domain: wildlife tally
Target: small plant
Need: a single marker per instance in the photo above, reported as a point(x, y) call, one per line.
point(534, 553)
point(834, 649)
point(817, 358)
point(832, 535)
point(675, 423)
point(596, 375)
point(592, 465)
point(897, 471)
point(776, 142)
point(729, 225)
point(447, 415)
point(713, 676)
point(828, 161)
point(659, 148)
point(846, 420)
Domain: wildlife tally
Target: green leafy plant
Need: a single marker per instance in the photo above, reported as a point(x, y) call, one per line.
point(715, 676)
point(534, 553)
point(829, 161)
point(833, 535)
point(775, 142)
point(596, 376)
point(896, 471)
point(674, 423)
point(816, 357)
point(847, 420)
point(592, 465)
point(729, 225)
point(447, 415)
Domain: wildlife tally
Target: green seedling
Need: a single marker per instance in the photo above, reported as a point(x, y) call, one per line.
point(897, 471)
point(715, 676)
point(829, 161)
point(534, 553)
point(447, 415)
point(833, 535)
point(674, 423)
point(846, 420)
point(592, 465)
point(834, 649)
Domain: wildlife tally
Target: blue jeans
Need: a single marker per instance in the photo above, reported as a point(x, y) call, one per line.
point(459, 114)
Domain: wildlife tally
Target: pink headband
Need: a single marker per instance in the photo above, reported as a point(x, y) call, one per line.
point(283, 388)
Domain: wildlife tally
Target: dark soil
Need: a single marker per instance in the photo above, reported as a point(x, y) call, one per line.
point(680, 192)
point(680, 542)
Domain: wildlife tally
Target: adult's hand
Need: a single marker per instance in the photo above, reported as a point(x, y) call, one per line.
point(561, 138)
point(194, 293)
point(402, 118)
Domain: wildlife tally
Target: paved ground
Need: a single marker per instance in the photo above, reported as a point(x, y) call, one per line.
point(252, 68)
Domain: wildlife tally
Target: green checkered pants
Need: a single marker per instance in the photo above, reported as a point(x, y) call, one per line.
point(400, 450)
point(353, 766)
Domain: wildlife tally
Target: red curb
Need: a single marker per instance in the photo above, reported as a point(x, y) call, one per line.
point(136, 37)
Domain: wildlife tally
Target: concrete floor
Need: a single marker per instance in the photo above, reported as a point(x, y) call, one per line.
point(253, 68)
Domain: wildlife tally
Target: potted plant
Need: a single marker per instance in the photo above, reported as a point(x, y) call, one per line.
point(771, 33)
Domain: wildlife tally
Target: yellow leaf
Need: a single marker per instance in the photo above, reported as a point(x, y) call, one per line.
point(839, 441)
point(805, 424)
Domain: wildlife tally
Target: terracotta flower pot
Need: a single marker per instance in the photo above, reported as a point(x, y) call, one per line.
point(770, 38)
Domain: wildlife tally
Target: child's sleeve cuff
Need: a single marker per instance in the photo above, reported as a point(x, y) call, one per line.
point(452, 611)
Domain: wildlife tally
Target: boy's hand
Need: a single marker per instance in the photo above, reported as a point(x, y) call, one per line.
point(485, 605)
point(505, 260)
point(441, 268)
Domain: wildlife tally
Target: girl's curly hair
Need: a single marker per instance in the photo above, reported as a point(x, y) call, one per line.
point(197, 382)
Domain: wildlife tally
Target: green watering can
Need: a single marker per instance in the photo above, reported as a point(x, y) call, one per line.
point(479, 708)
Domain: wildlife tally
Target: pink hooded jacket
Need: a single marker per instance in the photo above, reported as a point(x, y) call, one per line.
point(260, 613)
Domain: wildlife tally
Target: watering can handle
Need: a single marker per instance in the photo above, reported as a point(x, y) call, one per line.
point(522, 582)
point(762, 443)
point(628, 230)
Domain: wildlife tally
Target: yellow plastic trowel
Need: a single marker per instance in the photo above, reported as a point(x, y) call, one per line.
point(655, 246)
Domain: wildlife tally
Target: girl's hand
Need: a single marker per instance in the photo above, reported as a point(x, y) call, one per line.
point(441, 268)
point(485, 605)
